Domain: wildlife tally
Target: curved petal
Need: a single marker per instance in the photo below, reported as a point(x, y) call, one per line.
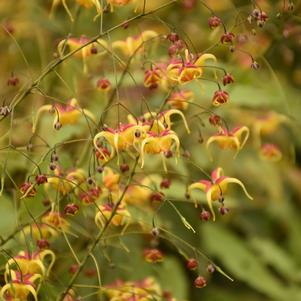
point(45, 253)
point(197, 185)
point(216, 174)
point(239, 134)
point(209, 202)
point(228, 180)
point(142, 150)
point(41, 110)
point(203, 58)
point(224, 142)
point(109, 137)
point(168, 114)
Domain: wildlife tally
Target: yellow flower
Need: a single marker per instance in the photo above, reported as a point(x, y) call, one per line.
point(21, 287)
point(161, 143)
point(98, 48)
point(216, 187)
point(270, 152)
point(110, 179)
point(183, 71)
point(126, 138)
point(104, 212)
point(64, 114)
point(151, 121)
point(65, 183)
point(134, 45)
point(33, 263)
point(234, 139)
point(84, 3)
point(180, 99)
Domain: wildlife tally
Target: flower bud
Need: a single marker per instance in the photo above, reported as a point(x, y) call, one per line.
point(71, 209)
point(214, 22)
point(200, 282)
point(228, 79)
point(41, 179)
point(192, 264)
point(205, 215)
point(43, 243)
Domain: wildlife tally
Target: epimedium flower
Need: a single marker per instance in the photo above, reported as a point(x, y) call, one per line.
point(267, 124)
point(99, 48)
point(153, 255)
point(160, 144)
point(153, 78)
point(234, 139)
point(65, 182)
point(180, 99)
point(134, 44)
point(30, 263)
point(157, 122)
point(121, 217)
point(127, 137)
point(270, 152)
point(192, 67)
point(143, 290)
point(220, 97)
point(104, 85)
point(21, 286)
point(216, 187)
point(69, 113)
point(85, 3)
point(119, 3)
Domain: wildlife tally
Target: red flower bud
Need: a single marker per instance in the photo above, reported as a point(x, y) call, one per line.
point(173, 37)
point(71, 209)
point(220, 97)
point(214, 22)
point(200, 282)
point(205, 215)
point(228, 79)
point(192, 264)
point(165, 183)
point(41, 179)
point(28, 189)
point(153, 255)
point(214, 120)
point(103, 85)
point(124, 167)
point(43, 243)
point(227, 37)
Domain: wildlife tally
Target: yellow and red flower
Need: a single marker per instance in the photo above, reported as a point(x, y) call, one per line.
point(64, 114)
point(180, 99)
point(216, 187)
point(234, 139)
point(134, 45)
point(183, 71)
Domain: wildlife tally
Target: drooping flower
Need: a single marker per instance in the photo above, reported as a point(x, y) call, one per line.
point(160, 144)
point(21, 286)
point(220, 97)
point(126, 137)
point(85, 3)
point(270, 152)
point(64, 114)
point(153, 255)
point(135, 44)
point(234, 139)
point(192, 67)
point(30, 263)
point(65, 182)
point(88, 48)
point(180, 99)
point(216, 187)
point(104, 212)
